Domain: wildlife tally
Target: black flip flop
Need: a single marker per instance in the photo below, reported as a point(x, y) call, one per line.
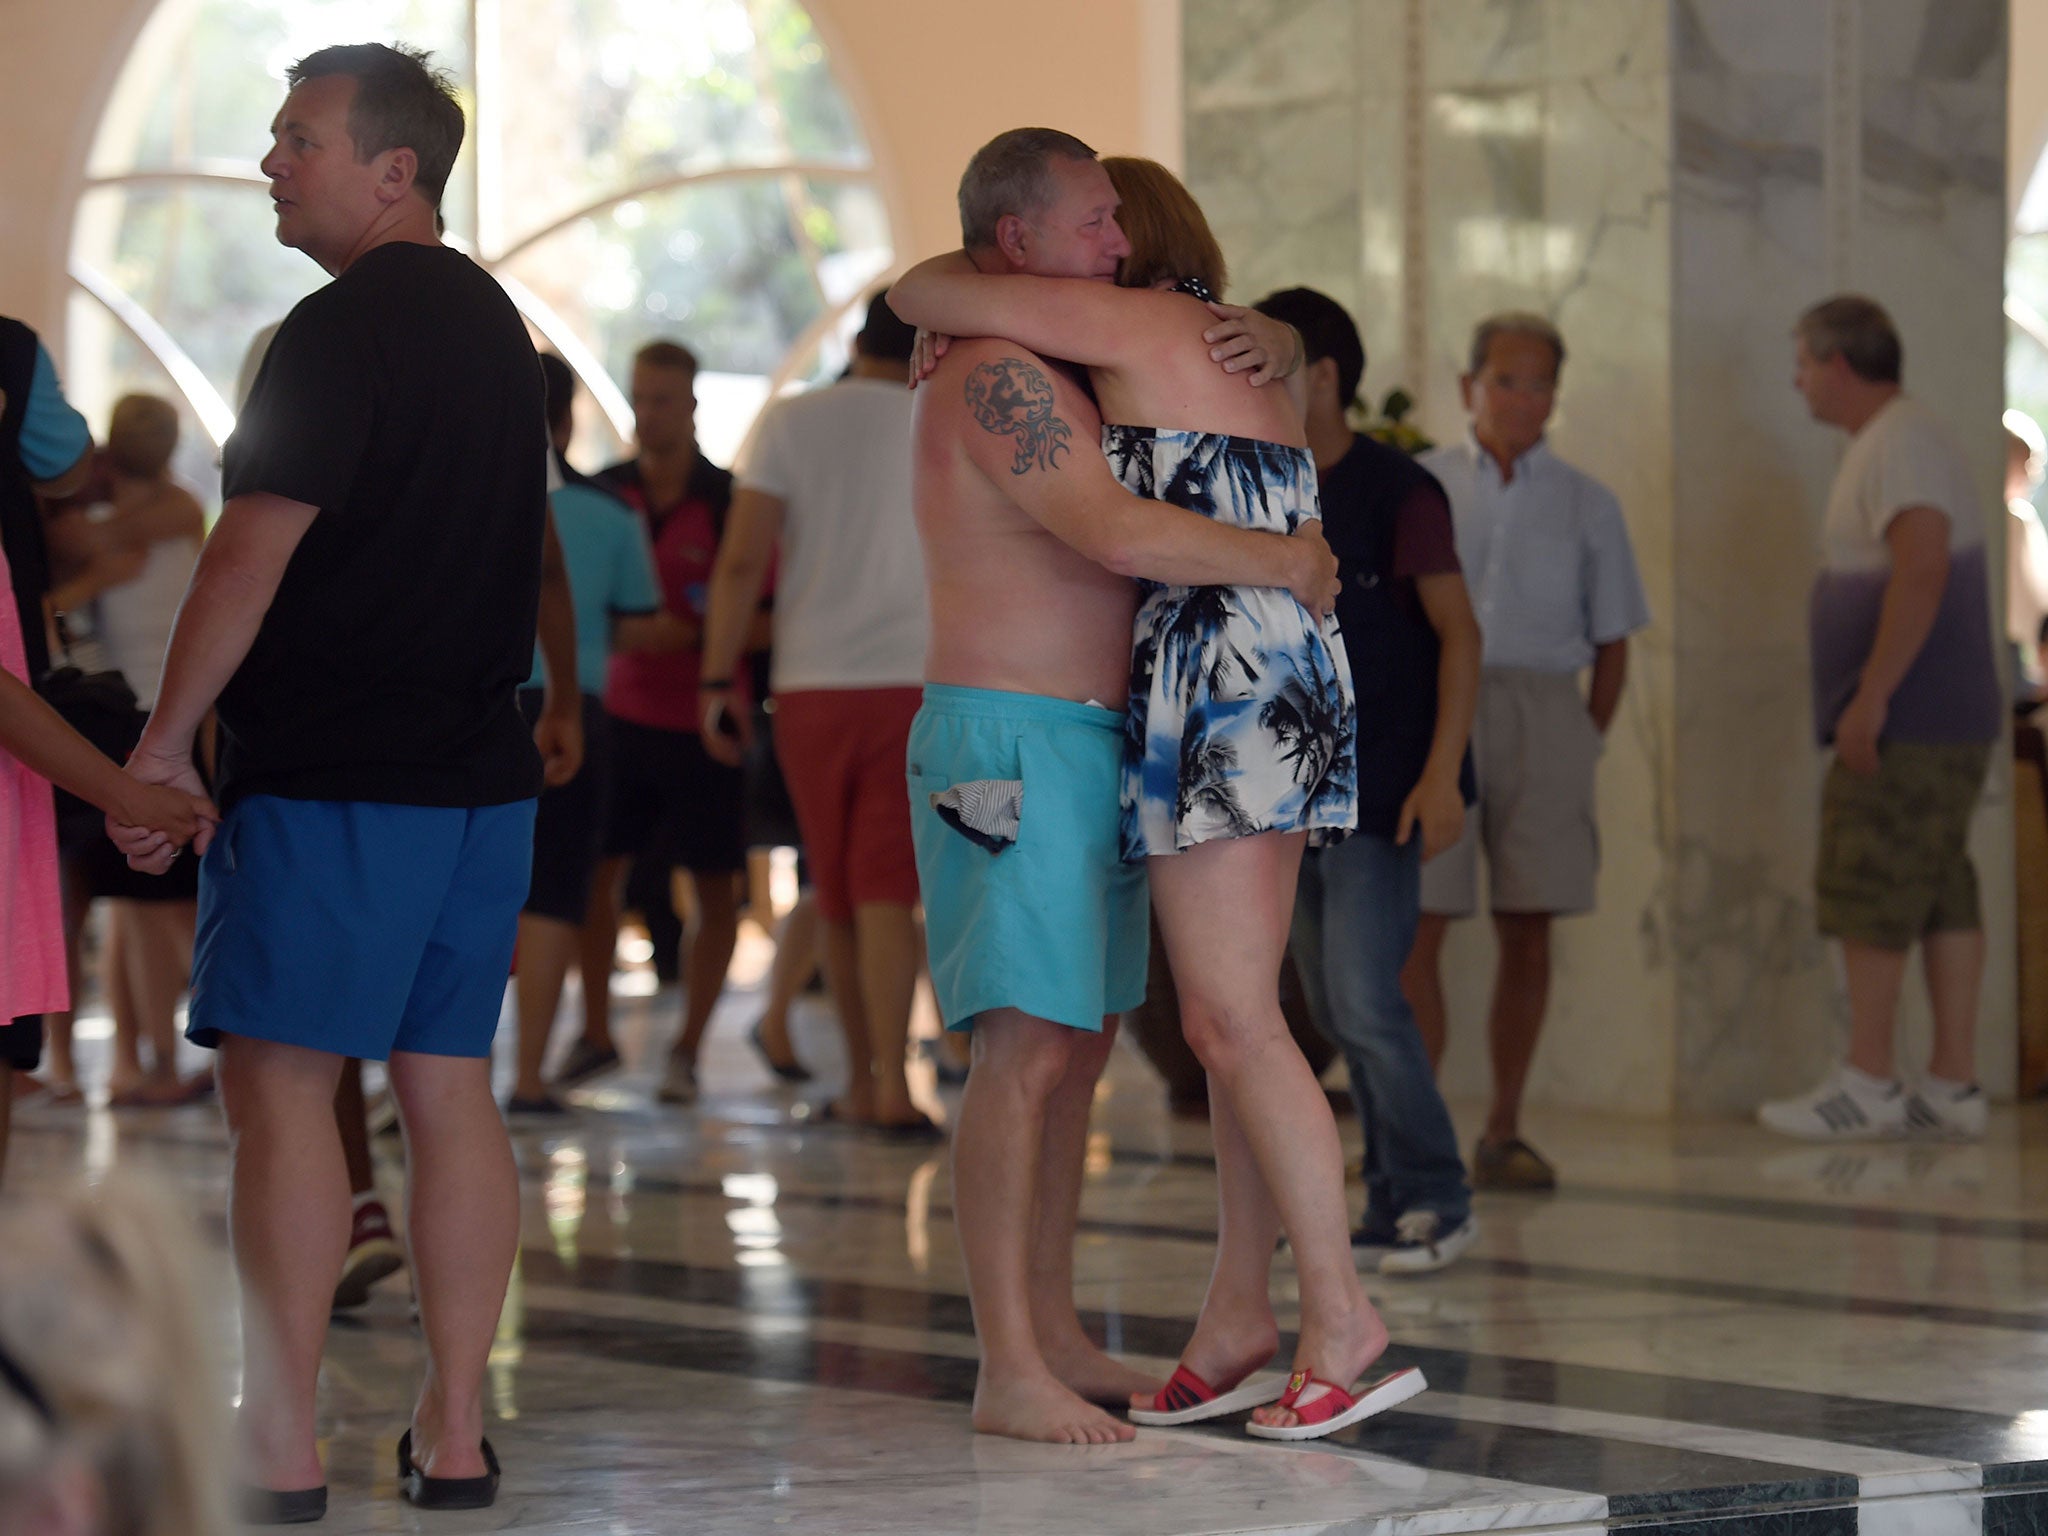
point(424, 1492)
point(546, 1104)
point(921, 1132)
point(789, 1072)
point(268, 1506)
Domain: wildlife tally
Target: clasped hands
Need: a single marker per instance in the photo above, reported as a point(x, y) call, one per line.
point(165, 810)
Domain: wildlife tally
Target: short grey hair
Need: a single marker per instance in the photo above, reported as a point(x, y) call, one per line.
point(402, 101)
point(1514, 322)
point(1008, 175)
point(1858, 331)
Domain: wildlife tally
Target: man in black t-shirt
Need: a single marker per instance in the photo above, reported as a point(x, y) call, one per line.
point(364, 613)
point(1414, 646)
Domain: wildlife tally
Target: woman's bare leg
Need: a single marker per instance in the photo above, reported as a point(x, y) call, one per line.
point(600, 943)
point(157, 952)
point(547, 947)
point(797, 944)
point(1224, 910)
point(127, 1077)
point(60, 1066)
point(1236, 1333)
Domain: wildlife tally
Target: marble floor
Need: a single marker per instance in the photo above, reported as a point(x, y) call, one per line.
point(734, 1320)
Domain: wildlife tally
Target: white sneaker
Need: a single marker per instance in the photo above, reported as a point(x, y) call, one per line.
point(1424, 1246)
point(1848, 1106)
point(1367, 1252)
point(1944, 1111)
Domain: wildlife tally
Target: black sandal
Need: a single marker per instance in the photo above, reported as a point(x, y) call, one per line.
point(921, 1132)
point(269, 1506)
point(424, 1492)
point(788, 1072)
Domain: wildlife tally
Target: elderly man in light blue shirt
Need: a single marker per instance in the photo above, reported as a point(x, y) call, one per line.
point(1555, 586)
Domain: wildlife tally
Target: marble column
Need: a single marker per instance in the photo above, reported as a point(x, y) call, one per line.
point(1671, 181)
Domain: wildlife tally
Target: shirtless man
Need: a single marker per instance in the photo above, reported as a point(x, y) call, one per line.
point(1037, 929)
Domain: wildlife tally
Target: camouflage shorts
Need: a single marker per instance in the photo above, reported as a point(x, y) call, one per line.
point(1894, 848)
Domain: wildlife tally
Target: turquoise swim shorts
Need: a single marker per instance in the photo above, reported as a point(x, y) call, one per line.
point(1014, 814)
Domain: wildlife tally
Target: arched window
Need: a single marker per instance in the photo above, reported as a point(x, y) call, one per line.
point(2026, 300)
point(633, 169)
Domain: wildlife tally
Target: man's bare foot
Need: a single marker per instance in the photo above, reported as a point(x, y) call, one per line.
point(1338, 1354)
point(1041, 1409)
point(1224, 1351)
point(1096, 1376)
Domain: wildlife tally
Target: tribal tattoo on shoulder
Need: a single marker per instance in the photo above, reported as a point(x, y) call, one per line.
point(1010, 398)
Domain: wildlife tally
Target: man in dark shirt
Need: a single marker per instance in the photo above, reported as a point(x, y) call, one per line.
point(1414, 647)
point(363, 613)
point(672, 806)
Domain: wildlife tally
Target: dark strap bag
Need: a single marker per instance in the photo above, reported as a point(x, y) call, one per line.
point(102, 708)
point(770, 814)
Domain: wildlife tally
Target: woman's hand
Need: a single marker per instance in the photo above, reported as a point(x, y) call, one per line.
point(166, 809)
point(1246, 341)
point(925, 354)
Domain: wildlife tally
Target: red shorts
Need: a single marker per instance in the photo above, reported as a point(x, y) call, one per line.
point(842, 752)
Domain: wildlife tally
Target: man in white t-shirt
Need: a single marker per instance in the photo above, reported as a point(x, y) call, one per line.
point(1905, 688)
point(828, 477)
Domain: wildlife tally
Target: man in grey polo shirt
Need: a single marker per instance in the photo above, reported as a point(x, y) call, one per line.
point(1554, 581)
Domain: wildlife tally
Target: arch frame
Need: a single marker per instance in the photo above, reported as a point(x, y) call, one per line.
point(73, 276)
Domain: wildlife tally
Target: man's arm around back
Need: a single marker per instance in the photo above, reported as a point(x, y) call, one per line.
point(1028, 451)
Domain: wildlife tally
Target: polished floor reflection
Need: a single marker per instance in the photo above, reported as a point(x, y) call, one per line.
point(732, 1320)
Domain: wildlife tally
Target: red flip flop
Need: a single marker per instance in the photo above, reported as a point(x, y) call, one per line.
point(1187, 1399)
point(1338, 1409)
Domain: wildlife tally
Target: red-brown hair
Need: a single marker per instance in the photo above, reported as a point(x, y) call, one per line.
point(1170, 239)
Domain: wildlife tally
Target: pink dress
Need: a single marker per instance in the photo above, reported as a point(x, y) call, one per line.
point(32, 977)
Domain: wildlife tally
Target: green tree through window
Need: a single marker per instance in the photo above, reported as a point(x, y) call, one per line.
point(633, 169)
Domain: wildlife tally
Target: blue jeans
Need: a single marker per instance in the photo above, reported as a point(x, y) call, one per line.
point(1355, 913)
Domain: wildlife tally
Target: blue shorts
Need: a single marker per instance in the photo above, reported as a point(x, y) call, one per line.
point(359, 928)
point(1044, 915)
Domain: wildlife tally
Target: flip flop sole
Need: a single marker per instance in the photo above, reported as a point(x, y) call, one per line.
point(424, 1492)
point(266, 1506)
point(1253, 1394)
point(1387, 1392)
point(353, 1290)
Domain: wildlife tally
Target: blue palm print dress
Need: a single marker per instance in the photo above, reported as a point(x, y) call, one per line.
point(1241, 714)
